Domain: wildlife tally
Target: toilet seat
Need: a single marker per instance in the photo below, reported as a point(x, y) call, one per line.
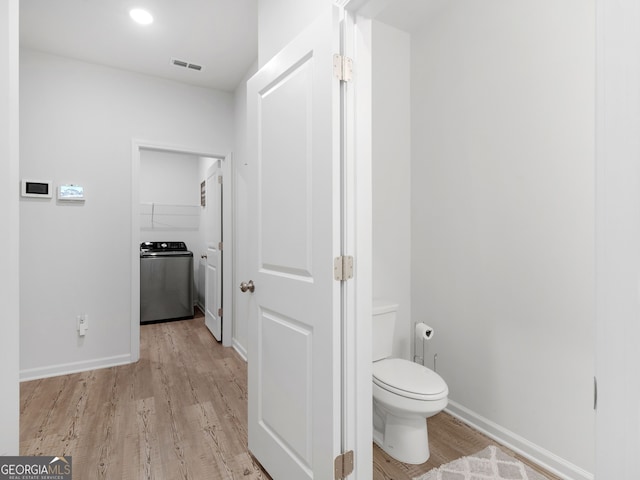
point(409, 379)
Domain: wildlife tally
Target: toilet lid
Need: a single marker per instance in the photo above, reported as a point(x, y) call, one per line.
point(409, 379)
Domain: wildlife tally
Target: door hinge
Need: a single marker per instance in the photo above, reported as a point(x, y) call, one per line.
point(220, 312)
point(343, 268)
point(220, 246)
point(344, 465)
point(342, 67)
point(220, 179)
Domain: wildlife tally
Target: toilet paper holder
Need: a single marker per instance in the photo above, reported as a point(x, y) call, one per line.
point(423, 332)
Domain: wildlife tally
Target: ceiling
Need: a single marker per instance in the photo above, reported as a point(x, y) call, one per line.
point(410, 15)
point(219, 35)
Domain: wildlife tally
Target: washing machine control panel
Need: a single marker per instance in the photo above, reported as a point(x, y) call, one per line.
point(163, 247)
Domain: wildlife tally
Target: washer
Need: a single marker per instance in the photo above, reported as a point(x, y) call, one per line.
point(166, 281)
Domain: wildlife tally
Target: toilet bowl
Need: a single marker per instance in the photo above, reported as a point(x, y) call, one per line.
point(405, 394)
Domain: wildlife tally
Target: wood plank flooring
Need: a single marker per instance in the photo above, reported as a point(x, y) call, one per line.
point(178, 413)
point(449, 439)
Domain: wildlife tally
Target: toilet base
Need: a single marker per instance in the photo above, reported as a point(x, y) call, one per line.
point(405, 439)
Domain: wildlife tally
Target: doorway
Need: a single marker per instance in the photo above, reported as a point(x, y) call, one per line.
point(185, 223)
point(482, 239)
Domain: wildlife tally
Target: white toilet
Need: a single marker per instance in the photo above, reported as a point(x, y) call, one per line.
point(405, 394)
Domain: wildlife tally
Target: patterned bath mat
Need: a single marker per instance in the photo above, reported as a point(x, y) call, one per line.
point(489, 464)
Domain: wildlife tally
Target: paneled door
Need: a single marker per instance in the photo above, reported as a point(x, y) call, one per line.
point(213, 275)
point(294, 340)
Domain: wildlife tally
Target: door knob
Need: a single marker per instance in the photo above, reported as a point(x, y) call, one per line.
point(203, 256)
point(244, 286)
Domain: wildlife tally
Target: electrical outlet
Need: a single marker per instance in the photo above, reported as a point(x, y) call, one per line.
point(82, 324)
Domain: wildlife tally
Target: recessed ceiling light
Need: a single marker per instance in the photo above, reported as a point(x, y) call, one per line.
point(141, 16)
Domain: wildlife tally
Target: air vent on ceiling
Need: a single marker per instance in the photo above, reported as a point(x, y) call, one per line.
point(184, 64)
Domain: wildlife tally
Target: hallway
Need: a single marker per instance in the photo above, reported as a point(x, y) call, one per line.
point(180, 412)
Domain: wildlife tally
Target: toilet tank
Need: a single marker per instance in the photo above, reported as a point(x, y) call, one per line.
point(384, 323)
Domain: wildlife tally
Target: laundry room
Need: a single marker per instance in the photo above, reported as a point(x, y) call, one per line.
point(172, 189)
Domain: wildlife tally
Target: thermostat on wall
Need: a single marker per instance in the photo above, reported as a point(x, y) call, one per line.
point(36, 188)
point(71, 193)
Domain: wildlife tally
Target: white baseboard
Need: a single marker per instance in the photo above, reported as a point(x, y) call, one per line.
point(546, 459)
point(75, 367)
point(240, 349)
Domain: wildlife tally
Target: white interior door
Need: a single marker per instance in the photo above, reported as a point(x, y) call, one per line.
point(294, 339)
point(213, 276)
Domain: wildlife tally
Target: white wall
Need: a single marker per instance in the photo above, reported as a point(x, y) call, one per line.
point(77, 125)
point(280, 21)
point(503, 215)
point(618, 240)
point(169, 178)
point(391, 169)
point(9, 232)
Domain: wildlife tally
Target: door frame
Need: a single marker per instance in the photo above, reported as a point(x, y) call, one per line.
point(617, 232)
point(357, 408)
point(137, 145)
